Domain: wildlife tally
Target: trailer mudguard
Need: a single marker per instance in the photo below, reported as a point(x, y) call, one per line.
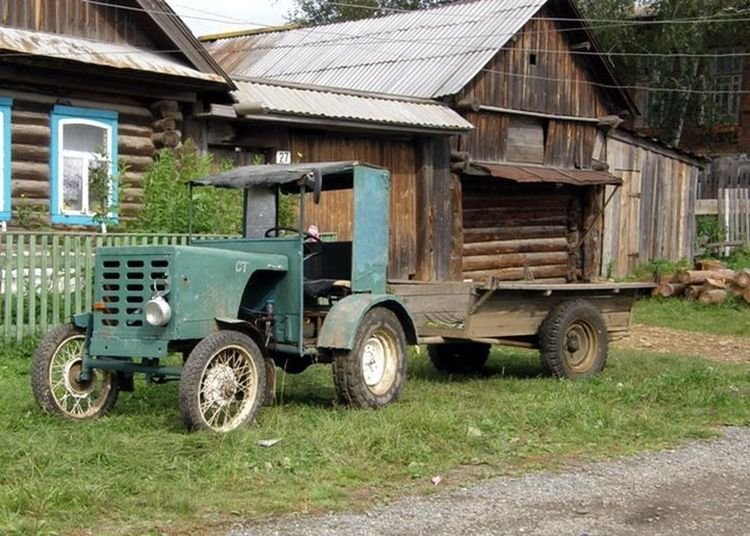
point(342, 321)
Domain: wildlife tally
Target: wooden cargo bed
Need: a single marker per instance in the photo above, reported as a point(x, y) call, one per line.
point(507, 312)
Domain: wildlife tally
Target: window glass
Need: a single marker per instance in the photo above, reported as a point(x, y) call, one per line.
point(88, 138)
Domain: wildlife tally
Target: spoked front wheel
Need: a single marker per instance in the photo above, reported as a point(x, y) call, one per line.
point(223, 383)
point(56, 382)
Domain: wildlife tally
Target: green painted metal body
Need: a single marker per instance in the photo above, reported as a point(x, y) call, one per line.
point(342, 321)
point(212, 284)
point(200, 283)
point(370, 230)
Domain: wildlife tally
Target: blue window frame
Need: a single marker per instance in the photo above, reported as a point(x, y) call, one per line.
point(82, 139)
point(5, 159)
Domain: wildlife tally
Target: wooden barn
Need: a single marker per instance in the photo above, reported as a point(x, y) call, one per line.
point(513, 189)
point(83, 83)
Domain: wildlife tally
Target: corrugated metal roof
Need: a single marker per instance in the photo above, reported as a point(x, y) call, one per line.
point(116, 55)
point(427, 53)
point(519, 173)
point(332, 104)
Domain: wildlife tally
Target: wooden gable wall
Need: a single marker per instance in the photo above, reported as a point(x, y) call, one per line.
point(79, 19)
point(536, 72)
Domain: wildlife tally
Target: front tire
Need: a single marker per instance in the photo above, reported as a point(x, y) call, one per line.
point(223, 383)
point(55, 368)
point(459, 358)
point(573, 340)
point(372, 373)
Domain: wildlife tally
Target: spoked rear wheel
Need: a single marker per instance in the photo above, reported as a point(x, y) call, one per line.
point(223, 383)
point(55, 380)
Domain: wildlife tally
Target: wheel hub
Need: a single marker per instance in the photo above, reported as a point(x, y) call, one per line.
point(72, 374)
point(579, 346)
point(221, 385)
point(373, 361)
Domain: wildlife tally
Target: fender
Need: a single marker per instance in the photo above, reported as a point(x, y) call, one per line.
point(82, 320)
point(342, 321)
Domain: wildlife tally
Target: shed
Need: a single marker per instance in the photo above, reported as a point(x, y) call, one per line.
point(519, 196)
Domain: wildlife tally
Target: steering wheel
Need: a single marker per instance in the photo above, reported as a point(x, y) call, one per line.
point(317, 251)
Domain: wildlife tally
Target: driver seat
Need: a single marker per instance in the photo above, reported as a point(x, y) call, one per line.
point(321, 288)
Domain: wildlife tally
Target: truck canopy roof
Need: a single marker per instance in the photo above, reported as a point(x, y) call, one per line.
point(335, 175)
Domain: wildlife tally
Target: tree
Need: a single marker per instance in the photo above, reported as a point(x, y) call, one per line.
point(310, 12)
point(675, 46)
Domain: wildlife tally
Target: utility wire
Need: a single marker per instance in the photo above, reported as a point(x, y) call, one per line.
point(397, 60)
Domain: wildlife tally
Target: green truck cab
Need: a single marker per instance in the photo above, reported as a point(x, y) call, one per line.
point(236, 309)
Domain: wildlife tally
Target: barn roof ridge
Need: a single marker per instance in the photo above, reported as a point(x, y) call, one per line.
point(428, 53)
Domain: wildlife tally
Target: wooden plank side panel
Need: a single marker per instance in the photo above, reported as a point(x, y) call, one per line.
point(509, 314)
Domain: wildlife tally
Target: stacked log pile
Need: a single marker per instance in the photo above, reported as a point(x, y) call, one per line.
point(708, 283)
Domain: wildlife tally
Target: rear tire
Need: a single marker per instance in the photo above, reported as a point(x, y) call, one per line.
point(459, 358)
point(573, 340)
point(223, 383)
point(54, 377)
point(372, 373)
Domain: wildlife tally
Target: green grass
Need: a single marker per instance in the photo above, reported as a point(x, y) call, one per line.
point(138, 471)
point(731, 318)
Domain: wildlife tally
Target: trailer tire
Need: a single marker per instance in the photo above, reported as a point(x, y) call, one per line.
point(573, 340)
point(373, 372)
point(459, 358)
point(54, 377)
point(223, 383)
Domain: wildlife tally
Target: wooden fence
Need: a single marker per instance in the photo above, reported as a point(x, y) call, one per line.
point(47, 277)
point(724, 172)
point(734, 214)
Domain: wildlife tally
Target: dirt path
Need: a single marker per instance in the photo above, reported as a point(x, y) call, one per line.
point(698, 489)
point(724, 348)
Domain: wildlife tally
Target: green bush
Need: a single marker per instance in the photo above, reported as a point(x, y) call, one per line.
point(166, 197)
point(709, 230)
point(739, 259)
point(658, 267)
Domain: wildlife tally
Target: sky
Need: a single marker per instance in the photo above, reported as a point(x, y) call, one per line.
point(217, 16)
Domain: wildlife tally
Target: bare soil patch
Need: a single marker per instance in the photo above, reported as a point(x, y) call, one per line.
point(725, 348)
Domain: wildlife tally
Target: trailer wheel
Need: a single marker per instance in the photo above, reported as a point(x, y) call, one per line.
point(459, 358)
point(54, 377)
point(573, 340)
point(223, 383)
point(372, 373)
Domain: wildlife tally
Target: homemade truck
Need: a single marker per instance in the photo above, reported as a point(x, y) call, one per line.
point(280, 297)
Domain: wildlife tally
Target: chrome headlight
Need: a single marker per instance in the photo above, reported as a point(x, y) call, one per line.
point(157, 311)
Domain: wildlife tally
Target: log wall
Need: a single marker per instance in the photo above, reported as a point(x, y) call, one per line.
point(140, 134)
point(517, 232)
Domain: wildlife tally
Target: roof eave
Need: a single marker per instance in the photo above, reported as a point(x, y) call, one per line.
point(174, 28)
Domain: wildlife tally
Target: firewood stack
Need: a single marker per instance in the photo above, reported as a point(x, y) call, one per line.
point(709, 282)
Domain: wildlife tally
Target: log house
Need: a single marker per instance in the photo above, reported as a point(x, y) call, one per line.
point(119, 78)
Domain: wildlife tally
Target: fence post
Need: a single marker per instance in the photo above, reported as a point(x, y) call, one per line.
point(44, 286)
point(8, 290)
point(19, 287)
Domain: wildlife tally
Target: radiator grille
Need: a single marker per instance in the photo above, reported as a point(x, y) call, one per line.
point(124, 285)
